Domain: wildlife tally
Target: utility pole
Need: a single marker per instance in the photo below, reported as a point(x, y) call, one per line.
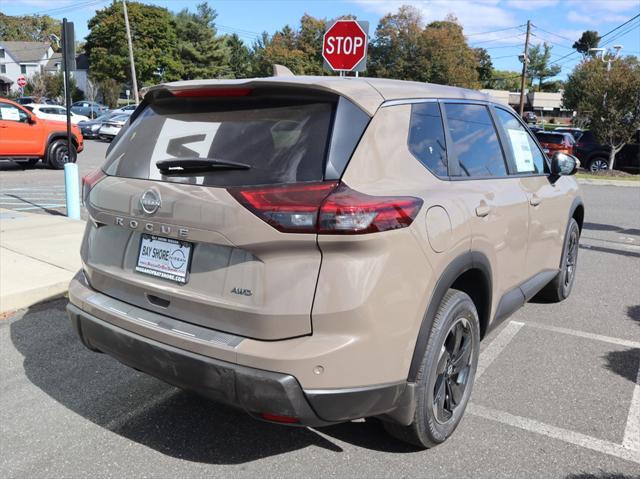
point(525, 62)
point(133, 66)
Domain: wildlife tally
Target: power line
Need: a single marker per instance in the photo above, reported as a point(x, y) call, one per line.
point(66, 8)
point(494, 31)
point(499, 39)
point(551, 33)
point(620, 26)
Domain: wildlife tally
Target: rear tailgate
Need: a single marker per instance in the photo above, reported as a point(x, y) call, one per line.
point(244, 276)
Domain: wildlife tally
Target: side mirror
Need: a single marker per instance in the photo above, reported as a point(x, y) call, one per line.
point(563, 164)
point(32, 120)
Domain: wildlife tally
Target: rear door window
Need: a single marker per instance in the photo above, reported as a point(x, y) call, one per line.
point(281, 141)
point(426, 137)
point(475, 141)
point(527, 157)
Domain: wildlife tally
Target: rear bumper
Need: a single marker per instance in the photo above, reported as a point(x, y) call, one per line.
point(254, 390)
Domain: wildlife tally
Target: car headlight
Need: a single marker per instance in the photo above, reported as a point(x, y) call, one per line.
point(95, 127)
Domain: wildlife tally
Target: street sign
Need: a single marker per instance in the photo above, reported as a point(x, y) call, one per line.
point(22, 81)
point(344, 45)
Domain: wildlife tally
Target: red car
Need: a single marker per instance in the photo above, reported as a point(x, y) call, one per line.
point(556, 141)
point(28, 139)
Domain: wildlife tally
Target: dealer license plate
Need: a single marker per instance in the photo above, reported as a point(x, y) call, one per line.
point(164, 258)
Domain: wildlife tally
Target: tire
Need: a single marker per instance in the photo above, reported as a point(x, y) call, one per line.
point(598, 164)
point(58, 154)
point(435, 420)
point(559, 288)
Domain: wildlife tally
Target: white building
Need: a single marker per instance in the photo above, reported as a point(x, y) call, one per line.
point(27, 58)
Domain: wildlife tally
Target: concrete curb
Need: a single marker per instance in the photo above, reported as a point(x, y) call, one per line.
point(16, 302)
point(33, 270)
point(599, 182)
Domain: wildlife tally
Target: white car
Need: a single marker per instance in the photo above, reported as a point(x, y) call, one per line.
point(125, 109)
point(111, 127)
point(54, 112)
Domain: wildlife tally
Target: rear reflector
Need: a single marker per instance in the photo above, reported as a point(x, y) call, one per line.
point(208, 92)
point(89, 181)
point(327, 208)
point(267, 416)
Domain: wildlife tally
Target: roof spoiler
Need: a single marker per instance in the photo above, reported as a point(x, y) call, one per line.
point(281, 71)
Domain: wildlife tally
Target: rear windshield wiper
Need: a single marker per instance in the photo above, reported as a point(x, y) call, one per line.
point(196, 164)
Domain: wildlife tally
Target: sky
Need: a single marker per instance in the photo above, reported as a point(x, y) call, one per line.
point(497, 25)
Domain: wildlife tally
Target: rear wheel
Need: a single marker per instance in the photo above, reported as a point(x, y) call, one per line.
point(560, 287)
point(58, 154)
point(445, 378)
point(598, 164)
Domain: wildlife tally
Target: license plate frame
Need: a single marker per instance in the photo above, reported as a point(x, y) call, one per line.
point(165, 268)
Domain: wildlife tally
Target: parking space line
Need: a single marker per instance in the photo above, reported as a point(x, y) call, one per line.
point(571, 437)
point(496, 346)
point(583, 334)
point(632, 430)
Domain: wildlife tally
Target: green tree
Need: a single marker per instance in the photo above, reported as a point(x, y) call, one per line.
point(484, 67)
point(109, 91)
point(450, 59)
point(539, 66)
point(29, 28)
point(154, 39)
point(395, 49)
point(504, 80)
point(610, 99)
point(202, 52)
point(239, 57)
point(589, 39)
point(438, 53)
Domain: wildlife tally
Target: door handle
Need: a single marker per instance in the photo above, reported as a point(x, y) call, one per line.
point(483, 209)
point(535, 200)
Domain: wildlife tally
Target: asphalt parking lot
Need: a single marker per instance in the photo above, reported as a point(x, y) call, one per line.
point(558, 392)
point(39, 189)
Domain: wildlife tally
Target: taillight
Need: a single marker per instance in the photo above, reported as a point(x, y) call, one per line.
point(347, 211)
point(267, 416)
point(88, 182)
point(327, 208)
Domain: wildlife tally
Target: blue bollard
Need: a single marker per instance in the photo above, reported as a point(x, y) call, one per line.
point(72, 190)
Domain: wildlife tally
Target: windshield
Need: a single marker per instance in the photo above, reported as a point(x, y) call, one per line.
point(282, 142)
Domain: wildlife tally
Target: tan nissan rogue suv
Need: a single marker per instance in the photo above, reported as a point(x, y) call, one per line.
point(314, 250)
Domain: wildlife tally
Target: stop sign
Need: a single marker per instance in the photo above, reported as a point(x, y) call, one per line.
point(344, 45)
point(22, 81)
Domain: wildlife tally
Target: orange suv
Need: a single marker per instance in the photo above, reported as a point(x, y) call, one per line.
point(27, 139)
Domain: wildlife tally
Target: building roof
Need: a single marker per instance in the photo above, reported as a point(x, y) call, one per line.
point(26, 52)
point(51, 64)
point(368, 93)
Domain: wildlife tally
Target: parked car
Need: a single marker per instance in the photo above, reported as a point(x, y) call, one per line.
point(26, 100)
point(595, 156)
point(299, 251)
point(90, 109)
point(112, 126)
point(27, 139)
point(54, 112)
point(90, 128)
point(555, 141)
point(125, 109)
point(529, 117)
point(575, 132)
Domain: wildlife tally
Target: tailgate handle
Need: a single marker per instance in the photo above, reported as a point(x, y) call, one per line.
point(157, 301)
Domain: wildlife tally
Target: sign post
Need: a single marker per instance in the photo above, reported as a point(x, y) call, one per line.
point(70, 169)
point(344, 46)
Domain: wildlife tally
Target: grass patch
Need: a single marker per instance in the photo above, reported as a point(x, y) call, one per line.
point(608, 175)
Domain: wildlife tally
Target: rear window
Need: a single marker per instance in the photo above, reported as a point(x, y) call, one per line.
point(282, 141)
point(549, 138)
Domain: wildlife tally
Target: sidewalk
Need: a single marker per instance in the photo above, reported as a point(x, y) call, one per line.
point(39, 254)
